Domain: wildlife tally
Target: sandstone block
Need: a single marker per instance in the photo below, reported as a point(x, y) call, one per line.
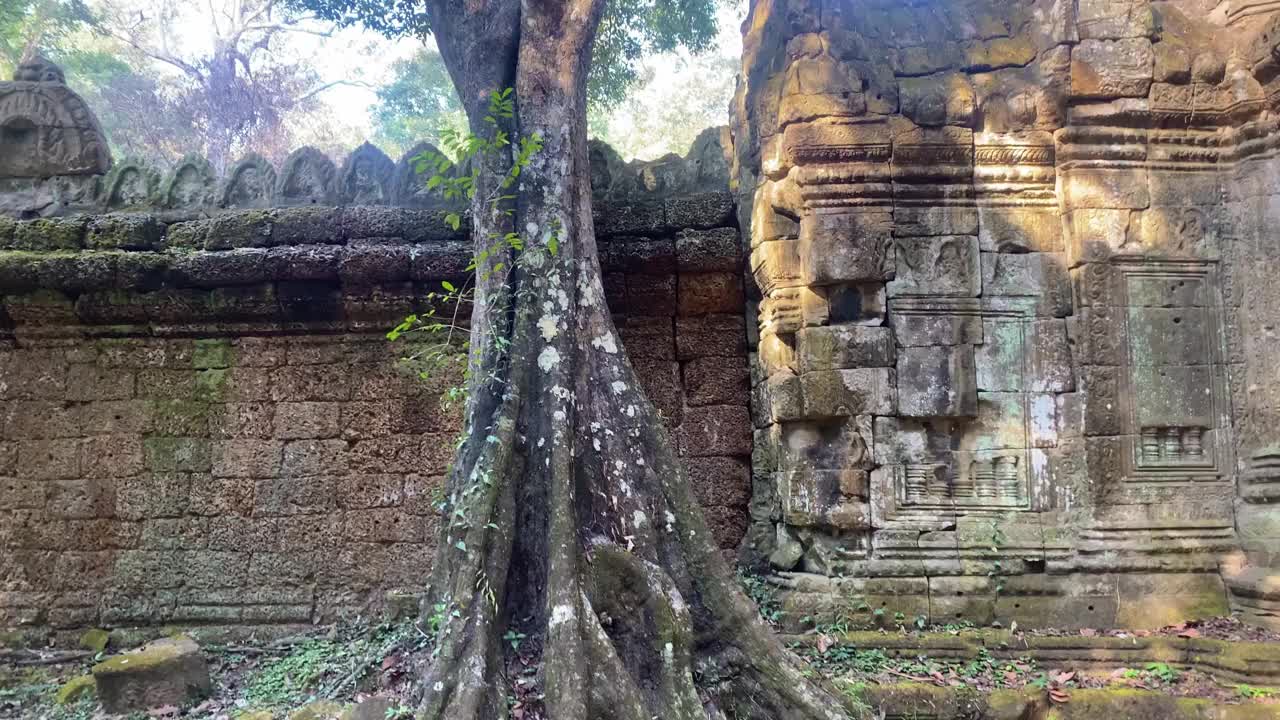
point(1106, 188)
point(938, 100)
point(171, 671)
point(841, 393)
point(947, 265)
point(1019, 229)
point(1115, 19)
point(838, 347)
point(937, 382)
point(1105, 69)
point(1093, 235)
point(1172, 61)
point(912, 221)
point(837, 247)
point(918, 329)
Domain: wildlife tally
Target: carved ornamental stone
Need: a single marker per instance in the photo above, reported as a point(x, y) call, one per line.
point(1024, 264)
point(46, 130)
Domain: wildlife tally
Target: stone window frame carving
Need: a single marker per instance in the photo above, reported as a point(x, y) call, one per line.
point(1217, 465)
point(892, 511)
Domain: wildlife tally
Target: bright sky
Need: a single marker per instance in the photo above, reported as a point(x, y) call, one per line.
point(364, 58)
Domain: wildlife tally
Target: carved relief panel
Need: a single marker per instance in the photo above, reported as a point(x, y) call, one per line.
point(1174, 385)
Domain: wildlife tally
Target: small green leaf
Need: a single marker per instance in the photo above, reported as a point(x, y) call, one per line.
point(461, 545)
point(448, 286)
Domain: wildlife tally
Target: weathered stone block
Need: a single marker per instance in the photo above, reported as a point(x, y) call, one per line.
point(715, 381)
point(1104, 188)
point(1172, 61)
point(913, 221)
point(843, 347)
point(1094, 235)
point(1115, 19)
point(716, 430)
point(937, 382)
point(841, 393)
point(785, 396)
point(1104, 69)
point(937, 100)
point(294, 421)
point(1103, 412)
point(661, 382)
point(722, 481)
point(247, 458)
point(711, 335)
point(841, 246)
point(709, 293)
point(717, 250)
point(167, 672)
point(1009, 229)
point(929, 326)
point(937, 266)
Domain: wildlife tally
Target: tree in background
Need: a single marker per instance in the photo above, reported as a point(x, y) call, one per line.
point(26, 25)
point(419, 103)
point(667, 107)
point(567, 518)
point(238, 80)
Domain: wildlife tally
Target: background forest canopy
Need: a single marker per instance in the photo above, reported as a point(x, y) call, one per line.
point(168, 78)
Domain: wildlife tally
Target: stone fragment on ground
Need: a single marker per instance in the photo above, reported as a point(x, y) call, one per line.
point(170, 671)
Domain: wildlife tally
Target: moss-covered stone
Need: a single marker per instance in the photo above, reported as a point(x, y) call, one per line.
point(75, 689)
point(124, 232)
point(66, 233)
point(95, 639)
point(170, 671)
point(255, 715)
point(212, 385)
point(211, 353)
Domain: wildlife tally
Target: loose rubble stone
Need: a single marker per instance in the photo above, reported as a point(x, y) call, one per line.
point(171, 671)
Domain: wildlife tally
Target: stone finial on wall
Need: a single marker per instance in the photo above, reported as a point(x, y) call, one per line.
point(46, 129)
point(191, 184)
point(307, 178)
point(132, 184)
point(366, 177)
point(249, 183)
point(409, 188)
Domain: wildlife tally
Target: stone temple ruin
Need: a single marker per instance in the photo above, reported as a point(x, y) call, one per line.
point(985, 330)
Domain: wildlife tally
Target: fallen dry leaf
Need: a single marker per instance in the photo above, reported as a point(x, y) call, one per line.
point(1088, 632)
point(1063, 678)
point(824, 643)
point(1189, 633)
point(1058, 695)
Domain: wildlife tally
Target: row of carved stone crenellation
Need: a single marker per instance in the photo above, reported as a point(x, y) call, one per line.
point(310, 178)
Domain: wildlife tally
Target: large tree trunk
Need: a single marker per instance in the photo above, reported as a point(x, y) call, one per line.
point(568, 516)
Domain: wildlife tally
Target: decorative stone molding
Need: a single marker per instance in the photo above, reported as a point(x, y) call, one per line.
point(45, 128)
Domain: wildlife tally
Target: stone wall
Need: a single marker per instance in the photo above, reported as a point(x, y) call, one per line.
point(1017, 318)
point(202, 421)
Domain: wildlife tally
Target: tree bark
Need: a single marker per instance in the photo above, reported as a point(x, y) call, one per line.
point(568, 516)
